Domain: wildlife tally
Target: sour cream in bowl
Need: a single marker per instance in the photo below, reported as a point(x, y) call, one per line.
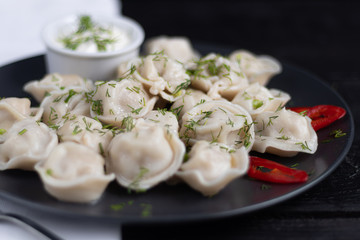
point(91, 46)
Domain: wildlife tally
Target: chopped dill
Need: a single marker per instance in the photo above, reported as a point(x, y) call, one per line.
point(135, 183)
point(337, 133)
point(257, 103)
point(76, 130)
point(304, 145)
point(22, 131)
point(265, 187)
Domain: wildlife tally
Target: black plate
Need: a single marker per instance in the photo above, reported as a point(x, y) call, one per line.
point(180, 203)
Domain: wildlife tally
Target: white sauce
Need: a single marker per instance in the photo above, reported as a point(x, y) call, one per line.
point(114, 39)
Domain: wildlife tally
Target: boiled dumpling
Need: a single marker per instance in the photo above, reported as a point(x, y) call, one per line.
point(191, 98)
point(21, 105)
point(86, 131)
point(217, 76)
point(74, 173)
point(145, 156)
point(284, 133)
point(211, 167)
point(61, 104)
point(164, 119)
point(12, 111)
point(257, 68)
point(218, 121)
point(160, 74)
point(15, 109)
point(39, 89)
point(178, 48)
point(113, 101)
point(26, 143)
point(257, 99)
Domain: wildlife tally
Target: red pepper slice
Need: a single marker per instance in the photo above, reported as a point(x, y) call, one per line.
point(321, 115)
point(269, 171)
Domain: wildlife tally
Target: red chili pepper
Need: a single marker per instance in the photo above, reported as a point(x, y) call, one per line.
point(269, 171)
point(321, 115)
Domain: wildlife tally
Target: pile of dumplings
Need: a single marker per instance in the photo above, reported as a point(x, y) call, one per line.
point(169, 114)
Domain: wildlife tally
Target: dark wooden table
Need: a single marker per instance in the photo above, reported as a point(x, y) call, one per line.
point(322, 37)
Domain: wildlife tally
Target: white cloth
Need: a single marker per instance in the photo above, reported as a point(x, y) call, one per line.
point(21, 22)
point(65, 227)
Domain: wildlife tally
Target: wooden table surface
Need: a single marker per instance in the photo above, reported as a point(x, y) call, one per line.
point(322, 37)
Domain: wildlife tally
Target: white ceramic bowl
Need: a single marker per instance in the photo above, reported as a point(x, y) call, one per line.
point(94, 66)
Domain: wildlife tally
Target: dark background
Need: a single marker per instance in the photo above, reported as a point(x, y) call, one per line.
point(322, 37)
point(318, 35)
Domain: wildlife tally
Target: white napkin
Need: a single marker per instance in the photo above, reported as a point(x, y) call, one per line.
point(21, 22)
point(65, 227)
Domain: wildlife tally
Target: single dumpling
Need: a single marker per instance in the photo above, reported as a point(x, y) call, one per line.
point(191, 99)
point(12, 111)
point(86, 131)
point(164, 119)
point(113, 101)
point(218, 121)
point(26, 143)
point(257, 99)
point(160, 75)
point(145, 156)
point(39, 89)
point(217, 76)
point(21, 105)
point(284, 133)
point(15, 109)
point(210, 167)
point(178, 48)
point(257, 68)
point(60, 104)
point(74, 173)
